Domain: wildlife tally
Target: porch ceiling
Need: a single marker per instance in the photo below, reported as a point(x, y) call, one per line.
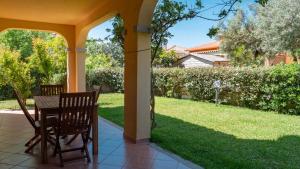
point(68, 12)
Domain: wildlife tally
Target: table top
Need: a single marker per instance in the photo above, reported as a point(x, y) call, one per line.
point(46, 102)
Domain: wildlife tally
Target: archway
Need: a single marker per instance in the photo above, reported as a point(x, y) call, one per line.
point(40, 55)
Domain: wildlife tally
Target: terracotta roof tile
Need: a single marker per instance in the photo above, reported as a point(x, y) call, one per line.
point(206, 47)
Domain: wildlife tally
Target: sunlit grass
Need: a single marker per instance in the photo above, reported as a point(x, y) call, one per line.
point(219, 136)
point(12, 104)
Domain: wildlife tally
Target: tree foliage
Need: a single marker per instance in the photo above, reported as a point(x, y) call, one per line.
point(278, 25)
point(98, 47)
point(40, 62)
point(98, 61)
point(239, 41)
point(39, 56)
point(21, 40)
point(57, 51)
point(166, 59)
point(14, 72)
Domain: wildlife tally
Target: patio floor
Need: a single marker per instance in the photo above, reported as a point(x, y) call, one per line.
point(114, 151)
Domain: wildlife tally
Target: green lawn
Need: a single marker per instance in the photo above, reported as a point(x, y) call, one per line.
point(219, 136)
point(12, 104)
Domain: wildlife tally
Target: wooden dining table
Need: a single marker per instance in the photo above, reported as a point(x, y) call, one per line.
point(46, 105)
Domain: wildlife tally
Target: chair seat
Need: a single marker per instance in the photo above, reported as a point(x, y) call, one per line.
point(71, 130)
point(51, 121)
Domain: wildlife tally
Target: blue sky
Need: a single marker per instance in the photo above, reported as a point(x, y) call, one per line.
point(186, 33)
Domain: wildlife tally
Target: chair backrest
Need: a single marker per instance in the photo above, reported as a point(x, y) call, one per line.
point(24, 109)
point(52, 90)
point(76, 111)
point(98, 90)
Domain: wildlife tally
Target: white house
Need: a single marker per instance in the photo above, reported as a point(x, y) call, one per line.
point(201, 60)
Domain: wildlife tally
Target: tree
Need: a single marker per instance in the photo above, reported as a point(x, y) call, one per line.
point(165, 59)
point(98, 61)
point(239, 40)
point(278, 25)
point(40, 63)
point(57, 50)
point(101, 47)
point(21, 40)
point(42, 54)
point(14, 72)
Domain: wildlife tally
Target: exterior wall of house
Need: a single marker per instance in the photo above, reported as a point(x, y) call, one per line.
point(278, 59)
point(190, 62)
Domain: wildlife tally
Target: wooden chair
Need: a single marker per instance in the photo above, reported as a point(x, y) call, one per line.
point(75, 117)
point(98, 90)
point(52, 90)
point(35, 124)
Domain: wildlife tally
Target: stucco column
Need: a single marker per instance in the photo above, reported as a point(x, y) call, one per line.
point(137, 86)
point(71, 69)
point(76, 66)
point(80, 68)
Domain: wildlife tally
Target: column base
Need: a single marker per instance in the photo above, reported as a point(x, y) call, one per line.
point(135, 141)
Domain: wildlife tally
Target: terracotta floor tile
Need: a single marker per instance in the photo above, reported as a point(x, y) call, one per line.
point(5, 166)
point(182, 166)
point(103, 166)
point(113, 160)
point(163, 164)
point(14, 159)
point(114, 151)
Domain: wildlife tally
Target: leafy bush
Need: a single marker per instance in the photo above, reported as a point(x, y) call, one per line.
point(281, 89)
point(110, 78)
point(276, 88)
point(14, 72)
point(170, 82)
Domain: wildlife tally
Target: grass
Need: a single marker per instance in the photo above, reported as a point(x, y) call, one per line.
point(12, 104)
point(219, 136)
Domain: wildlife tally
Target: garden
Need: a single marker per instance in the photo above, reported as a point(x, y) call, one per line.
point(219, 136)
point(271, 89)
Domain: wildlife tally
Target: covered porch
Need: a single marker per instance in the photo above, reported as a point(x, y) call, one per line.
point(73, 20)
point(115, 152)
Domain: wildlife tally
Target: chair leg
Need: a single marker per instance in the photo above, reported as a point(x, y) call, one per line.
point(51, 141)
point(85, 140)
point(72, 139)
point(31, 146)
point(60, 155)
point(32, 139)
point(56, 146)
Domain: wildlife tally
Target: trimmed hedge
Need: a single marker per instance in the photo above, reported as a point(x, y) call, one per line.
point(111, 79)
point(276, 88)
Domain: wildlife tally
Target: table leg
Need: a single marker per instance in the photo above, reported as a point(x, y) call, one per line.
point(95, 131)
point(36, 113)
point(43, 137)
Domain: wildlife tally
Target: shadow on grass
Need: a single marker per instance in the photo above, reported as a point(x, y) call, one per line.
point(214, 149)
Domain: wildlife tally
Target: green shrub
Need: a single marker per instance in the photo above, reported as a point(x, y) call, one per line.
point(170, 82)
point(111, 78)
point(240, 86)
point(281, 89)
point(276, 88)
